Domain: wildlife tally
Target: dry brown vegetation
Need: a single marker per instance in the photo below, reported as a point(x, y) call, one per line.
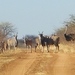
point(71, 29)
point(8, 56)
point(11, 56)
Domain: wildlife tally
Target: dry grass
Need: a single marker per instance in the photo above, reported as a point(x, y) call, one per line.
point(67, 48)
point(11, 55)
point(8, 56)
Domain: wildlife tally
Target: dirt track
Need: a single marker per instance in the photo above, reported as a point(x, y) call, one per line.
point(37, 63)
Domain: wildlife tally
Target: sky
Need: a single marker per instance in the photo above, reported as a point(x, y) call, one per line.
point(33, 16)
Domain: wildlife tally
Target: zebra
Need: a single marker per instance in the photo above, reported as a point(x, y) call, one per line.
point(12, 42)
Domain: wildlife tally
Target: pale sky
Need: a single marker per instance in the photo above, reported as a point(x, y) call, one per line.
point(33, 16)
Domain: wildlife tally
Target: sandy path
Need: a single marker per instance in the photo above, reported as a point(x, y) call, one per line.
point(20, 65)
point(61, 66)
point(58, 64)
point(41, 64)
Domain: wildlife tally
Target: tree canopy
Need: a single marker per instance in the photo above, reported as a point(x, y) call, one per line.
point(6, 30)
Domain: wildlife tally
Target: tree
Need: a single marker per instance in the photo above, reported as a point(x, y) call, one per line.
point(71, 28)
point(6, 30)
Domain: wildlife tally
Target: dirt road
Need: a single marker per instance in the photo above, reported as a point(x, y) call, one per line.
point(37, 63)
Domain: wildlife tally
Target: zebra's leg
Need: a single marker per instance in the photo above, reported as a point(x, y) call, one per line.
point(55, 48)
point(39, 46)
point(8, 47)
point(26, 48)
point(43, 49)
point(31, 48)
point(58, 47)
point(5, 47)
point(35, 48)
point(14, 48)
point(2, 50)
point(48, 48)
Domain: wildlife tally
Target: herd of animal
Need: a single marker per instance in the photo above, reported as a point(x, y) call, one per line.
point(41, 40)
point(48, 41)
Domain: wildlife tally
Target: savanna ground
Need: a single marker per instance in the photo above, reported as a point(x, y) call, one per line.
point(23, 62)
